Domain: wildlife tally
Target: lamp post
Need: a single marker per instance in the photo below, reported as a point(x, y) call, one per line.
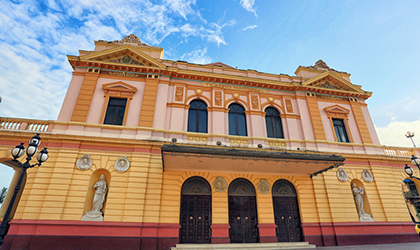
point(410, 135)
point(16, 153)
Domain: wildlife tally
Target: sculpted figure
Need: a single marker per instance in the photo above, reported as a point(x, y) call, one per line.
point(100, 192)
point(358, 200)
point(98, 201)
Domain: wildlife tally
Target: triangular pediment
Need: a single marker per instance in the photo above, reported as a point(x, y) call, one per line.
point(119, 86)
point(125, 54)
point(333, 81)
point(336, 109)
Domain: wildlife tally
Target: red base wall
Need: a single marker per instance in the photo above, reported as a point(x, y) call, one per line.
point(43, 234)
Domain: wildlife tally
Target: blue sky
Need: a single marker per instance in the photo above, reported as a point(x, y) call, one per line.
point(376, 41)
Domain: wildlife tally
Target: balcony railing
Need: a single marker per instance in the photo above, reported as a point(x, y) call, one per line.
point(396, 151)
point(24, 124)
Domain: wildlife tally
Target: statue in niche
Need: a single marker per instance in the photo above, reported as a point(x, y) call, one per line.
point(98, 201)
point(358, 194)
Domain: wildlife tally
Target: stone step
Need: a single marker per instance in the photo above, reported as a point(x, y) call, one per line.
point(245, 246)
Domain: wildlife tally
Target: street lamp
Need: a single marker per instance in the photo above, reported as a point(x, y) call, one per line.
point(17, 152)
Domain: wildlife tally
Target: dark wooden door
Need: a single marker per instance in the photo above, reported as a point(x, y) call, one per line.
point(195, 219)
point(243, 219)
point(287, 219)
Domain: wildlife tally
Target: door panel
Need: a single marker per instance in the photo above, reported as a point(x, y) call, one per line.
point(195, 219)
point(243, 219)
point(286, 216)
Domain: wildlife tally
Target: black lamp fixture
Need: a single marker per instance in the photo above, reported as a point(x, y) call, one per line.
point(17, 152)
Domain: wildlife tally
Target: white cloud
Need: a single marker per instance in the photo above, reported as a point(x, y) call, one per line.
point(197, 56)
point(250, 27)
point(394, 133)
point(248, 5)
point(35, 40)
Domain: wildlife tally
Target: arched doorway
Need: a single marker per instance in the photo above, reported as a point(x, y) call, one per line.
point(195, 214)
point(286, 212)
point(242, 212)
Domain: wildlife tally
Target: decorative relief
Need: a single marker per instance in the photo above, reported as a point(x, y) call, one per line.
point(342, 175)
point(179, 94)
point(367, 176)
point(277, 144)
point(263, 186)
point(239, 141)
point(217, 85)
point(127, 60)
point(220, 184)
point(197, 138)
point(84, 162)
point(254, 102)
point(327, 85)
point(289, 107)
point(218, 98)
point(122, 164)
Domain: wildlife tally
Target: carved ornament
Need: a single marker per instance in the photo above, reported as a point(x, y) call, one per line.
point(218, 98)
point(122, 164)
point(84, 162)
point(263, 186)
point(367, 176)
point(342, 175)
point(254, 102)
point(217, 85)
point(220, 184)
point(179, 94)
point(289, 107)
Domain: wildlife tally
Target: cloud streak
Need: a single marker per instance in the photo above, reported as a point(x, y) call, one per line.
point(248, 5)
point(250, 27)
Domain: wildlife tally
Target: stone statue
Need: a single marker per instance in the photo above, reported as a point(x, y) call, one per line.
point(358, 194)
point(98, 201)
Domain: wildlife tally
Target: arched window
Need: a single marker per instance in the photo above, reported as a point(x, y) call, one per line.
point(197, 117)
point(273, 123)
point(237, 120)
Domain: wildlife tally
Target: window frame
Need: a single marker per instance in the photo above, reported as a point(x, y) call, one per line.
point(272, 121)
point(338, 112)
point(198, 112)
point(119, 90)
point(337, 130)
point(236, 120)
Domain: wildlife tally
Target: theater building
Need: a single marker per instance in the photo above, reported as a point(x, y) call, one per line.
point(205, 154)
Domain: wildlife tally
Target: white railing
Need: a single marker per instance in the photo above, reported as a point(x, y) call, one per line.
point(24, 124)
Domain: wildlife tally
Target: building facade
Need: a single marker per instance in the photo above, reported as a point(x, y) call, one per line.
point(149, 153)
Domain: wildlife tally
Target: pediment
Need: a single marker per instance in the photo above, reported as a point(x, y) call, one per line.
point(125, 54)
point(336, 109)
point(119, 87)
point(333, 81)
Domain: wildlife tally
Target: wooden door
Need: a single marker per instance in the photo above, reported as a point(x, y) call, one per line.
point(195, 213)
point(243, 220)
point(286, 212)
